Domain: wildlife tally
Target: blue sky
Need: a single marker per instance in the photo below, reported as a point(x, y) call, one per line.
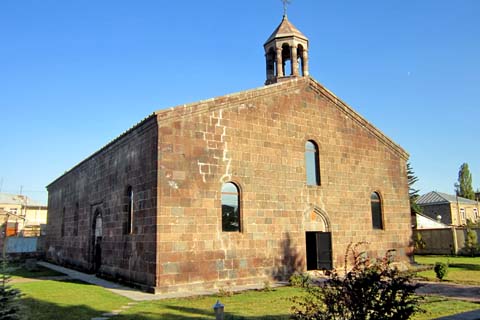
point(76, 74)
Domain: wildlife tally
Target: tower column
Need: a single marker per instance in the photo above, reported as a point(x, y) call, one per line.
point(270, 61)
point(279, 62)
point(305, 62)
point(294, 61)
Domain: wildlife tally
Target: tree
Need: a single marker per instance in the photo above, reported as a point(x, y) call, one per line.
point(463, 188)
point(9, 297)
point(471, 242)
point(412, 192)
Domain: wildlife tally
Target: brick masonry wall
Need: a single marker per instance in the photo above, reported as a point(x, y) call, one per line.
point(256, 139)
point(99, 183)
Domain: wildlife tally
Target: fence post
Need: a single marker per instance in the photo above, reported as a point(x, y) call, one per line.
point(455, 241)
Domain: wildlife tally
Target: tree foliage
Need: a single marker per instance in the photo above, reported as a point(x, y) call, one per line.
point(471, 242)
point(463, 187)
point(413, 193)
point(9, 304)
point(370, 291)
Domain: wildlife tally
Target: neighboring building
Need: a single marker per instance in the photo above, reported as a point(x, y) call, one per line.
point(237, 189)
point(425, 222)
point(26, 216)
point(449, 209)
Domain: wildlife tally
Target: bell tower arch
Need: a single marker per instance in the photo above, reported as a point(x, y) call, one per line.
point(286, 53)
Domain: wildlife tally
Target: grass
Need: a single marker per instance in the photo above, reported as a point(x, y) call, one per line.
point(44, 300)
point(21, 272)
point(50, 299)
point(436, 307)
point(247, 305)
point(255, 305)
point(464, 270)
point(74, 300)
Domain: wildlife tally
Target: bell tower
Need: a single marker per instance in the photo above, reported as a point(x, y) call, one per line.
point(286, 53)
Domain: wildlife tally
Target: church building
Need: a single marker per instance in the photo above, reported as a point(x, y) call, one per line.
point(236, 189)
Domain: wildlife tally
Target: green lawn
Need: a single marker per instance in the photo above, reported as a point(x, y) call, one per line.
point(45, 300)
point(255, 305)
point(50, 299)
point(248, 305)
point(21, 272)
point(464, 270)
point(436, 307)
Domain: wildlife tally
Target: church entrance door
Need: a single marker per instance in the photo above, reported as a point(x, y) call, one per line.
point(97, 241)
point(319, 250)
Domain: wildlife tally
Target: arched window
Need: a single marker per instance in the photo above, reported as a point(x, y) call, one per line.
point(129, 210)
point(287, 60)
point(230, 207)
point(75, 220)
point(376, 202)
point(312, 163)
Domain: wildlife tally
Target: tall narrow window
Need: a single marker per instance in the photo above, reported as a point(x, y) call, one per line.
point(62, 230)
point(75, 220)
point(377, 222)
point(129, 210)
point(463, 215)
point(312, 164)
point(230, 207)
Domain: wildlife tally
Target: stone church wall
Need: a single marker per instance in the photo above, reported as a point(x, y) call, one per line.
point(256, 139)
point(98, 185)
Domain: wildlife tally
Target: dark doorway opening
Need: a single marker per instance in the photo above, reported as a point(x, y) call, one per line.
point(97, 241)
point(97, 260)
point(319, 250)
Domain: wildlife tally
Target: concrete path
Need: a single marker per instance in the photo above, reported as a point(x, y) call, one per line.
point(472, 315)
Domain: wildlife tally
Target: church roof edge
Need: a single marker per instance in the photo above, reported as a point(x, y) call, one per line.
point(219, 102)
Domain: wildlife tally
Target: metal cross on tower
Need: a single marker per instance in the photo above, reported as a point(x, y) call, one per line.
point(285, 4)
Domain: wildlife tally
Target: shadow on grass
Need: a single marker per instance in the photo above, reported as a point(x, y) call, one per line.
point(195, 313)
point(466, 266)
point(20, 271)
point(187, 313)
point(42, 310)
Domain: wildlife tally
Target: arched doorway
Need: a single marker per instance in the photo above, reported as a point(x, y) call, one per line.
point(318, 238)
point(97, 231)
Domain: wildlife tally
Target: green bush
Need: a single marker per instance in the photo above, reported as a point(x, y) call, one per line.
point(9, 297)
point(299, 280)
point(370, 291)
point(441, 270)
point(471, 242)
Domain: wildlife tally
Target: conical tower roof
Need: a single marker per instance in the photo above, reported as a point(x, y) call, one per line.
point(286, 29)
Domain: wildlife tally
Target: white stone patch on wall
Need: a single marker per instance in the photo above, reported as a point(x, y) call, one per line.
point(173, 184)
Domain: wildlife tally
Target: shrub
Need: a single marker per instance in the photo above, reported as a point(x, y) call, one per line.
point(441, 270)
point(9, 306)
point(370, 291)
point(267, 287)
point(300, 280)
point(471, 242)
point(419, 243)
